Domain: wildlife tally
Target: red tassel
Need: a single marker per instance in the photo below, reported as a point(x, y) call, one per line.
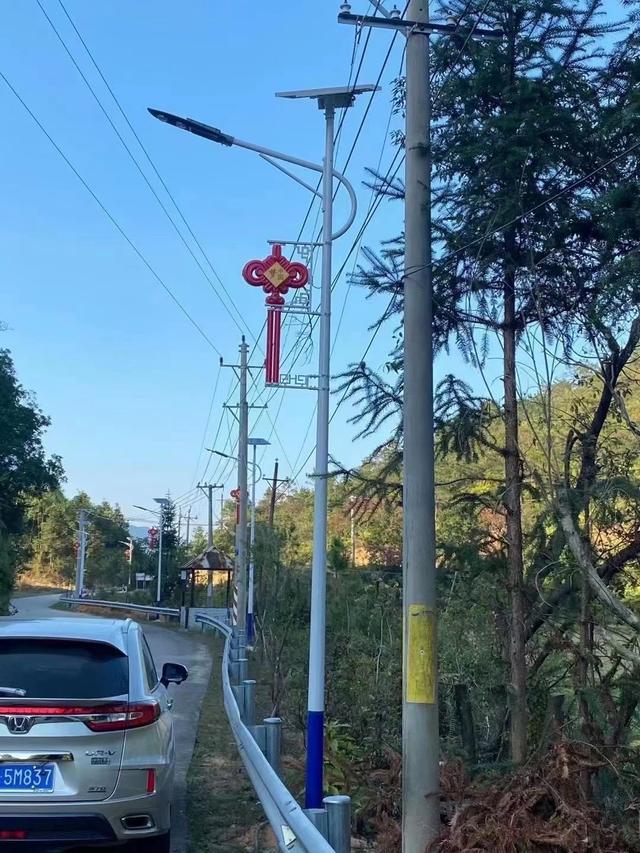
point(273, 346)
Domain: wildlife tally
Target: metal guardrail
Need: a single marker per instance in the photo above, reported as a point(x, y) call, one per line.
point(294, 828)
point(171, 612)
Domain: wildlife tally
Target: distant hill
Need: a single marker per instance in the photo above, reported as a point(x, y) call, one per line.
point(137, 532)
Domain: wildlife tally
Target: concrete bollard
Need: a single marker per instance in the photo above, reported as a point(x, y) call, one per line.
point(249, 702)
point(339, 822)
point(259, 733)
point(318, 818)
point(243, 664)
point(273, 727)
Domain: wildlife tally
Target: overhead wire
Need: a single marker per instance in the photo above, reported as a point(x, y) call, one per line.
point(386, 181)
point(141, 170)
point(313, 322)
point(109, 215)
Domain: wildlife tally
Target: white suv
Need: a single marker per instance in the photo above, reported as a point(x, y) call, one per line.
point(86, 737)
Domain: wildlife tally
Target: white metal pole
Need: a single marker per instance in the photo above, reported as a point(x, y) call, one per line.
point(250, 626)
point(242, 485)
point(315, 707)
point(159, 579)
point(79, 559)
point(420, 737)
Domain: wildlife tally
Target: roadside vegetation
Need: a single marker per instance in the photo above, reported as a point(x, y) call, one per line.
point(536, 280)
point(224, 815)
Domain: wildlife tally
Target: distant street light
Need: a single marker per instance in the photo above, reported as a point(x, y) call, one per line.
point(160, 513)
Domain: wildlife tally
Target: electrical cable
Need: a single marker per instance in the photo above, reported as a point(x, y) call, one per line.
point(142, 173)
point(110, 216)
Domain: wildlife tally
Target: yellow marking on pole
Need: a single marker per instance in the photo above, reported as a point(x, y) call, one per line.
point(421, 655)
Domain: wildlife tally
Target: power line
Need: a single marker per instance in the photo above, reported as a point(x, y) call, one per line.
point(139, 168)
point(206, 426)
point(573, 185)
point(346, 390)
point(110, 216)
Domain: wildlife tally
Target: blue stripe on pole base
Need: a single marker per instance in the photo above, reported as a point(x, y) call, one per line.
point(250, 628)
point(314, 791)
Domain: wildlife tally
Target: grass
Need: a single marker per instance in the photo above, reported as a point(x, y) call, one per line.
point(223, 812)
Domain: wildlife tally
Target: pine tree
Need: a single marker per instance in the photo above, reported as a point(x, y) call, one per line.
point(516, 123)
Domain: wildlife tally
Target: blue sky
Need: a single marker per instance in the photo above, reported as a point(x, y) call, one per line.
point(127, 381)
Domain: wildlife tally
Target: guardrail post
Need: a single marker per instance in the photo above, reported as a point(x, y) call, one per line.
point(249, 702)
point(318, 818)
point(273, 728)
point(243, 665)
point(234, 672)
point(339, 822)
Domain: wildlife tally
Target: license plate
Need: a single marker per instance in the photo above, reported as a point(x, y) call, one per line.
point(26, 777)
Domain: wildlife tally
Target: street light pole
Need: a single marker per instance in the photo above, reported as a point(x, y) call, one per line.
point(243, 437)
point(328, 100)
point(82, 539)
point(159, 578)
point(315, 700)
point(163, 503)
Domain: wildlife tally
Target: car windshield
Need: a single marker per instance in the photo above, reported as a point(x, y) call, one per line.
point(63, 669)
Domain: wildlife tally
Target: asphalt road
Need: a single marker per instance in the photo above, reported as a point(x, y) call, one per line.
point(166, 645)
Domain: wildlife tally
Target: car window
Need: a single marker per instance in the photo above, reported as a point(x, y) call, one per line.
point(63, 669)
point(149, 665)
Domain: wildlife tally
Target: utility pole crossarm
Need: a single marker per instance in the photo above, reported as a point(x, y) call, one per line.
point(419, 27)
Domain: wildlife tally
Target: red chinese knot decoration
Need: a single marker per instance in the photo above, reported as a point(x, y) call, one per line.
point(275, 275)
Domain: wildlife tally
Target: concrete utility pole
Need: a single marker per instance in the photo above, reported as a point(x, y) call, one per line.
point(208, 489)
point(179, 525)
point(273, 484)
point(188, 524)
point(255, 443)
point(272, 502)
point(420, 736)
point(243, 437)
point(80, 560)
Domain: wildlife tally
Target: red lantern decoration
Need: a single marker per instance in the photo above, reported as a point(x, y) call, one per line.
point(275, 275)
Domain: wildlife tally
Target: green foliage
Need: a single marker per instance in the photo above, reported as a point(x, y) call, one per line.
point(24, 468)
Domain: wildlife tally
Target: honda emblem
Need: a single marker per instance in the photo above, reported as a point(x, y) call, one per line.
point(19, 725)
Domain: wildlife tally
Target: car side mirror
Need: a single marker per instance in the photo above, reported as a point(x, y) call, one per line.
point(174, 673)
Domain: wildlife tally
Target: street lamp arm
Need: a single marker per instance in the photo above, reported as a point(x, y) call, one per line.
point(214, 134)
point(269, 153)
